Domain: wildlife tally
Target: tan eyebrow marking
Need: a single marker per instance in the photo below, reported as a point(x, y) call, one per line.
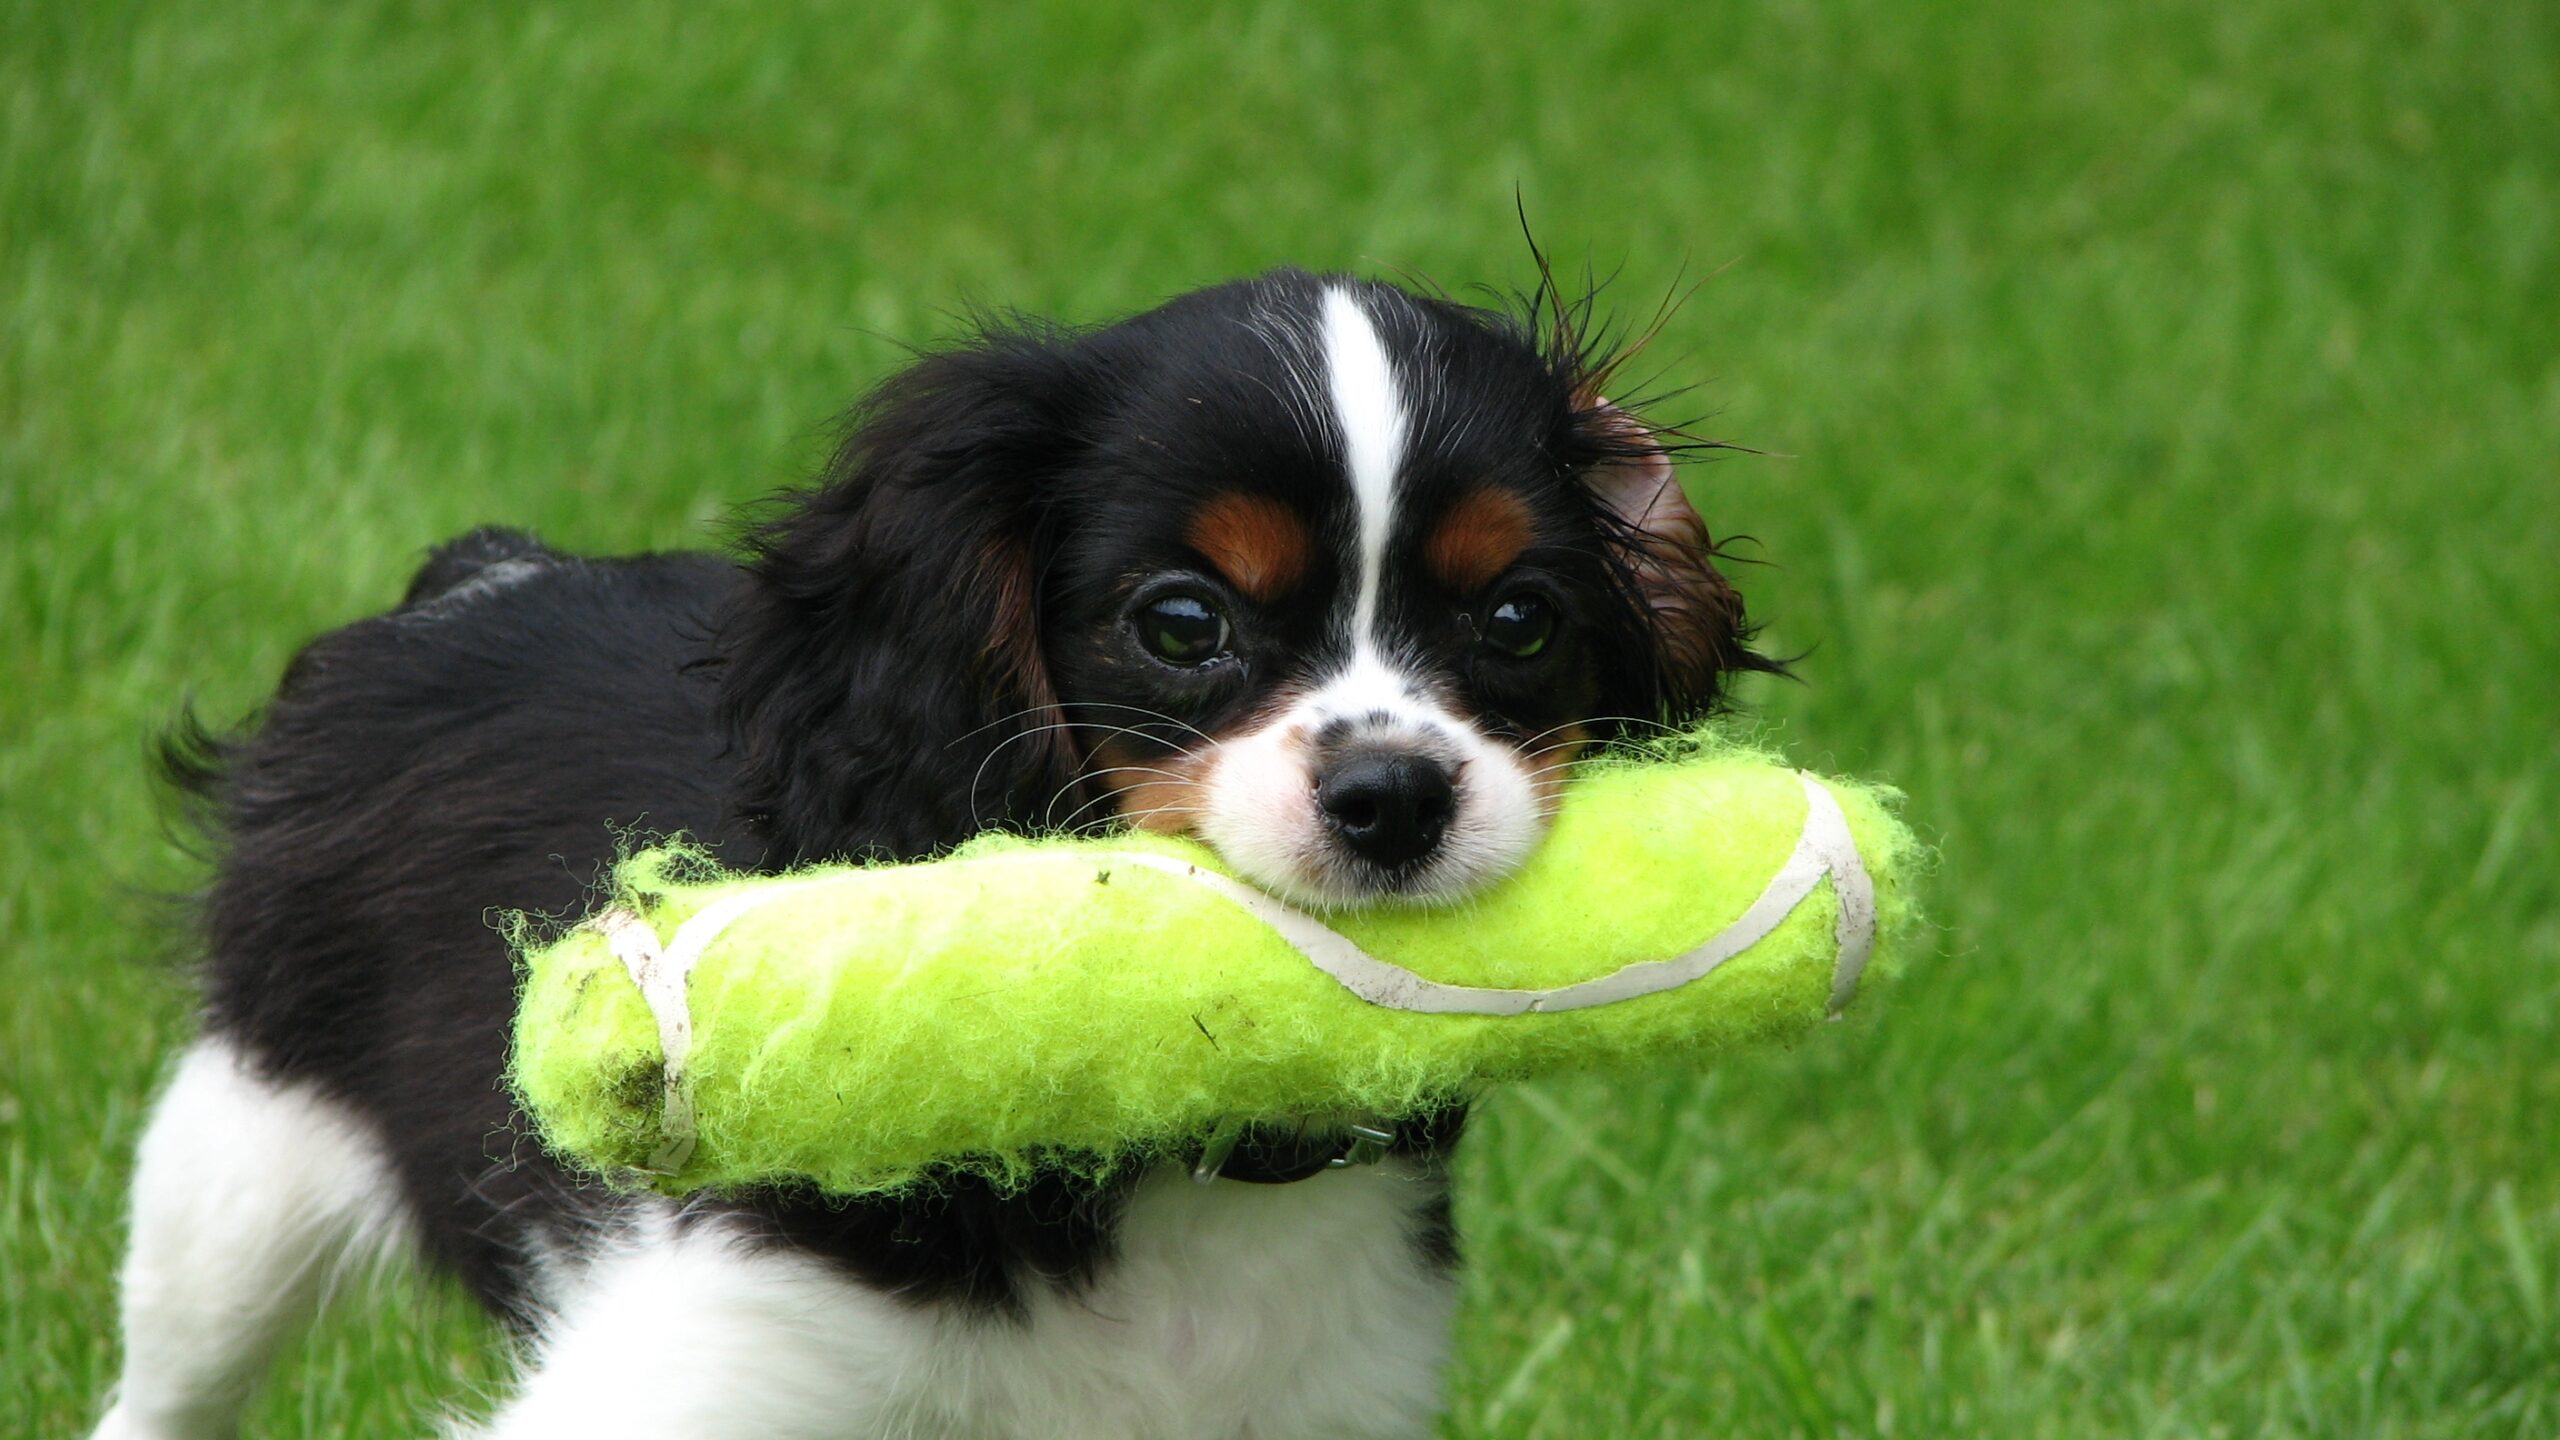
point(1478, 538)
point(1258, 543)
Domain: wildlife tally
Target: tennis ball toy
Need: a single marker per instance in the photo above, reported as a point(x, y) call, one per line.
point(1086, 1003)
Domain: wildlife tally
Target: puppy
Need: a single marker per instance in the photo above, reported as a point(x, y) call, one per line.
point(1335, 577)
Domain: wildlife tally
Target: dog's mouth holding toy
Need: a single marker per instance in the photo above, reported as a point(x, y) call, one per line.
point(1426, 818)
point(1029, 1005)
point(1355, 794)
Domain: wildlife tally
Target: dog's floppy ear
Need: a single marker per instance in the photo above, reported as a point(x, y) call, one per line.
point(883, 681)
point(1667, 560)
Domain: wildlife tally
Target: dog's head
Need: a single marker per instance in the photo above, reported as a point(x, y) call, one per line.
point(1335, 577)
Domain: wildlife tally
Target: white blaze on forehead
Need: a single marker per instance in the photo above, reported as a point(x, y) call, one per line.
point(1259, 807)
point(1371, 414)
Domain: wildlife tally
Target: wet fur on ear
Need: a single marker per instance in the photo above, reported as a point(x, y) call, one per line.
point(1659, 550)
point(1666, 563)
point(883, 682)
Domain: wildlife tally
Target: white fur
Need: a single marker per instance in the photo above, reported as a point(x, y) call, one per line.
point(1232, 1311)
point(1370, 411)
point(1258, 810)
point(249, 1199)
point(670, 1330)
point(488, 580)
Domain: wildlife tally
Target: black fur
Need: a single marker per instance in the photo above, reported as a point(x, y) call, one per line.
point(893, 669)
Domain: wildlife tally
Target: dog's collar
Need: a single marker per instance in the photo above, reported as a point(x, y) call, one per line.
point(1269, 1155)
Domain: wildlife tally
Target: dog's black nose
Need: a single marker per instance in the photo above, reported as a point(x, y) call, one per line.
point(1389, 809)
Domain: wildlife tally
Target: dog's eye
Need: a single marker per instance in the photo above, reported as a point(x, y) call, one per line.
point(1520, 626)
point(1182, 629)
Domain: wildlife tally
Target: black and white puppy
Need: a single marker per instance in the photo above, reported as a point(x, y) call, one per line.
point(1333, 576)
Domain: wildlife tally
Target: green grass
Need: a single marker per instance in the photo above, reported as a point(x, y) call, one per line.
point(2166, 401)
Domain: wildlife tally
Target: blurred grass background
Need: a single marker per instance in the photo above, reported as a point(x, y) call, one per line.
point(2166, 401)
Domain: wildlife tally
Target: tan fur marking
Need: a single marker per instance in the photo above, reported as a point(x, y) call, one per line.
point(1162, 795)
point(1258, 543)
point(1478, 539)
point(1168, 794)
point(1012, 658)
point(1547, 764)
point(1697, 617)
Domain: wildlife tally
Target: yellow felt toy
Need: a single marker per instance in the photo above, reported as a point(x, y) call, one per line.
point(1088, 1003)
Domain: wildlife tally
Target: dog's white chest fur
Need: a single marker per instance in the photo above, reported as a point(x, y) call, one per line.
point(1231, 1311)
point(1241, 1312)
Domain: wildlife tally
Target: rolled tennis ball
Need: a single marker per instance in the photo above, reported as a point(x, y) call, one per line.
point(1088, 1003)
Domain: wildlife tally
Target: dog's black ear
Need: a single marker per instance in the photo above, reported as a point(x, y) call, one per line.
point(1693, 616)
point(883, 683)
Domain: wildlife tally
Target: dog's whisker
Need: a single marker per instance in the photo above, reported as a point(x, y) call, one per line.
point(1552, 749)
point(1128, 819)
point(1133, 770)
point(978, 777)
point(1068, 724)
point(1132, 820)
point(1186, 725)
point(999, 720)
point(1069, 822)
point(1049, 811)
point(1593, 720)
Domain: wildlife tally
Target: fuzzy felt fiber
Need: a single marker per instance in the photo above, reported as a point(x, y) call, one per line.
point(1024, 1002)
